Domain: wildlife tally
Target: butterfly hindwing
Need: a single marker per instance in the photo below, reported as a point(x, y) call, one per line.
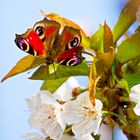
point(70, 57)
point(70, 47)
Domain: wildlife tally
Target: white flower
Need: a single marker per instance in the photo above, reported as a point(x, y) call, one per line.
point(46, 114)
point(33, 136)
point(81, 113)
point(85, 137)
point(135, 97)
point(82, 137)
point(105, 132)
point(65, 91)
point(33, 102)
point(138, 15)
point(68, 137)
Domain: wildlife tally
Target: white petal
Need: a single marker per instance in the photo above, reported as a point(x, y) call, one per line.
point(96, 125)
point(98, 105)
point(33, 136)
point(73, 112)
point(44, 118)
point(68, 137)
point(33, 101)
point(83, 100)
point(83, 127)
point(135, 93)
point(105, 132)
point(81, 113)
point(86, 137)
point(48, 98)
point(65, 91)
point(43, 114)
point(134, 97)
point(59, 117)
point(136, 89)
point(55, 131)
point(137, 109)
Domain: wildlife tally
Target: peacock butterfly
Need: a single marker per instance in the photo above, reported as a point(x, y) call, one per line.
point(46, 40)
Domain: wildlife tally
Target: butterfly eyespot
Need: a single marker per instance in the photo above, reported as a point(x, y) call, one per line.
point(23, 44)
point(73, 61)
point(74, 42)
point(39, 30)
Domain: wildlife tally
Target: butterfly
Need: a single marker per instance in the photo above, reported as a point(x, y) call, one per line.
point(47, 40)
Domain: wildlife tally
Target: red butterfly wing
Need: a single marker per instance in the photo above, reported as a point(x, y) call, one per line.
point(39, 40)
point(70, 57)
point(30, 43)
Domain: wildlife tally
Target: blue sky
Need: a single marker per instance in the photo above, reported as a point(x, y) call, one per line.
point(16, 17)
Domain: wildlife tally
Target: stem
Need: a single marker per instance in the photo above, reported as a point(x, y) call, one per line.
point(68, 129)
point(118, 116)
point(112, 133)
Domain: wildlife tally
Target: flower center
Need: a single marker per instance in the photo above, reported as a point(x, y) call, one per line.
point(92, 114)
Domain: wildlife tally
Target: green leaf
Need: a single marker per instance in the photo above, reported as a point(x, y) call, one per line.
point(121, 118)
point(85, 42)
point(108, 39)
point(25, 64)
point(129, 48)
point(41, 73)
point(106, 60)
point(132, 67)
point(67, 71)
point(61, 71)
point(122, 83)
point(53, 85)
point(102, 40)
point(126, 19)
point(54, 79)
point(132, 80)
point(97, 40)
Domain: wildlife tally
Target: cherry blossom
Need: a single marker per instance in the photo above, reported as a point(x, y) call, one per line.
point(43, 117)
point(84, 117)
point(33, 136)
point(135, 97)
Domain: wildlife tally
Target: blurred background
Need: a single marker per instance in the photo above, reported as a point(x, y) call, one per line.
point(16, 17)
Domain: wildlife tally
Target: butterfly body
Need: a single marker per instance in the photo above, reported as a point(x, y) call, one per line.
point(45, 40)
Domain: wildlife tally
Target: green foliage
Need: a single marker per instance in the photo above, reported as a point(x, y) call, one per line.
point(53, 85)
point(102, 40)
point(126, 19)
point(132, 66)
point(132, 80)
point(97, 40)
point(122, 84)
point(55, 75)
point(129, 48)
point(55, 71)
